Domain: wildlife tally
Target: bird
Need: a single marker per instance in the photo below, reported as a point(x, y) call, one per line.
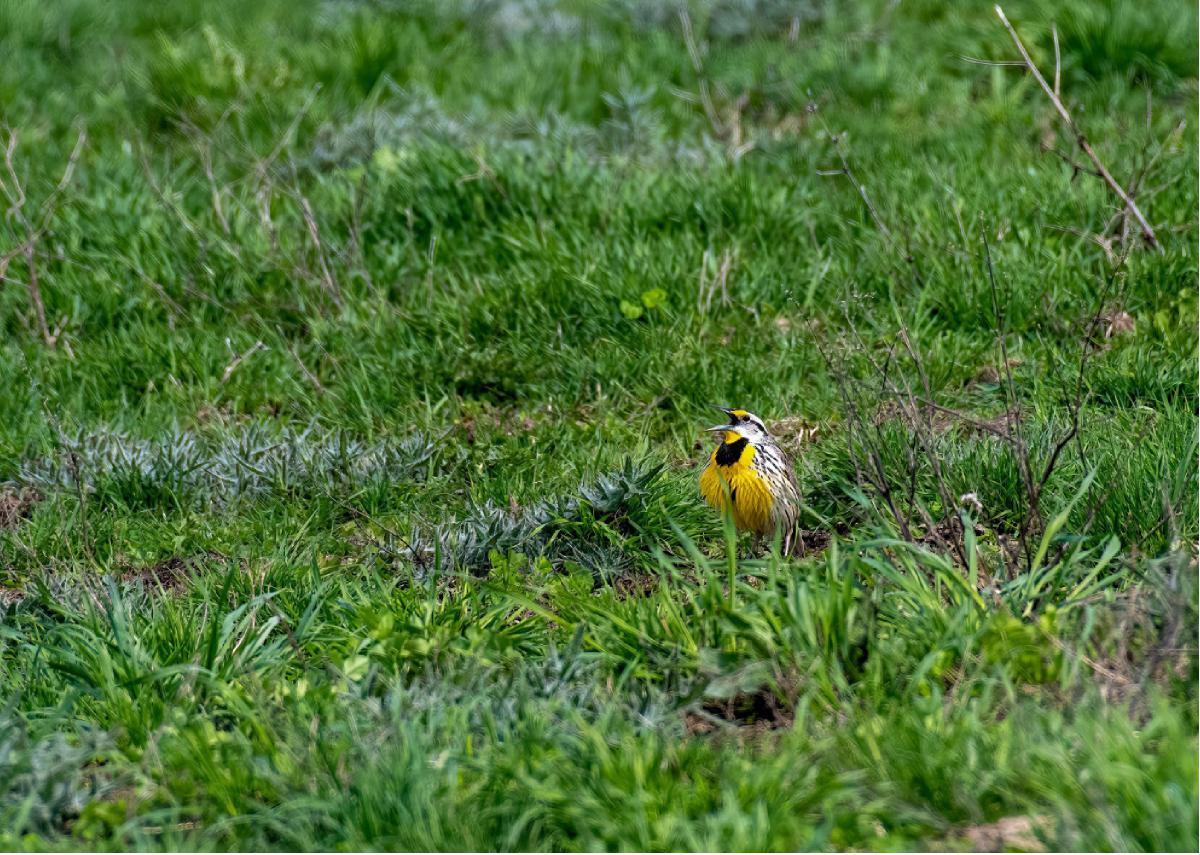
point(751, 476)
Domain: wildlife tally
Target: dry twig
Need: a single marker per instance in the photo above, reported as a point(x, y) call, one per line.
point(717, 282)
point(858, 185)
point(239, 358)
point(33, 233)
point(1080, 139)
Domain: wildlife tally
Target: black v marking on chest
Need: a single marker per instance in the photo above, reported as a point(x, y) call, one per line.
point(731, 452)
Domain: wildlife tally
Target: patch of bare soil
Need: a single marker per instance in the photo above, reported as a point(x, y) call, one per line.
point(1012, 833)
point(948, 530)
point(490, 416)
point(697, 725)
point(170, 576)
point(794, 432)
point(814, 541)
point(751, 713)
point(1001, 425)
point(16, 505)
point(1116, 322)
point(990, 375)
point(634, 585)
point(939, 420)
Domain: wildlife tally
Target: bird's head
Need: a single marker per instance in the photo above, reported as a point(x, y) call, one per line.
point(742, 423)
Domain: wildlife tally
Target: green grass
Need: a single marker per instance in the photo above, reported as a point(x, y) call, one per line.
point(354, 505)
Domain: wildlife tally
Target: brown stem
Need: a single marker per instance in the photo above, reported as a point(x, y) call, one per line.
point(1080, 139)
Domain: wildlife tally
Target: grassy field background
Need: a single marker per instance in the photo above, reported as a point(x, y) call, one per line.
point(356, 356)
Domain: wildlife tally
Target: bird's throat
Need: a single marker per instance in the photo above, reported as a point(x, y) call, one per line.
point(731, 450)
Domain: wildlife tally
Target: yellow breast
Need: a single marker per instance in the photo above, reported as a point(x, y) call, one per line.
point(734, 484)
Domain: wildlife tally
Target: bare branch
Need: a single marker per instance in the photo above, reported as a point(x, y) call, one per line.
point(1087, 351)
point(1080, 139)
point(994, 63)
point(304, 369)
point(239, 358)
point(17, 211)
point(1057, 63)
point(862, 190)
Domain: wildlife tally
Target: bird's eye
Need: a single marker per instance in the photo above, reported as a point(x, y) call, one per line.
point(745, 418)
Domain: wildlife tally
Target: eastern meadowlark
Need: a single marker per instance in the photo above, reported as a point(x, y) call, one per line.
point(749, 474)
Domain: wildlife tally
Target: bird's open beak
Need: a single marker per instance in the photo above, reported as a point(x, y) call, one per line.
point(730, 426)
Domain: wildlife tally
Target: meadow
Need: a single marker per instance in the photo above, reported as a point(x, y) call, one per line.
point(356, 359)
